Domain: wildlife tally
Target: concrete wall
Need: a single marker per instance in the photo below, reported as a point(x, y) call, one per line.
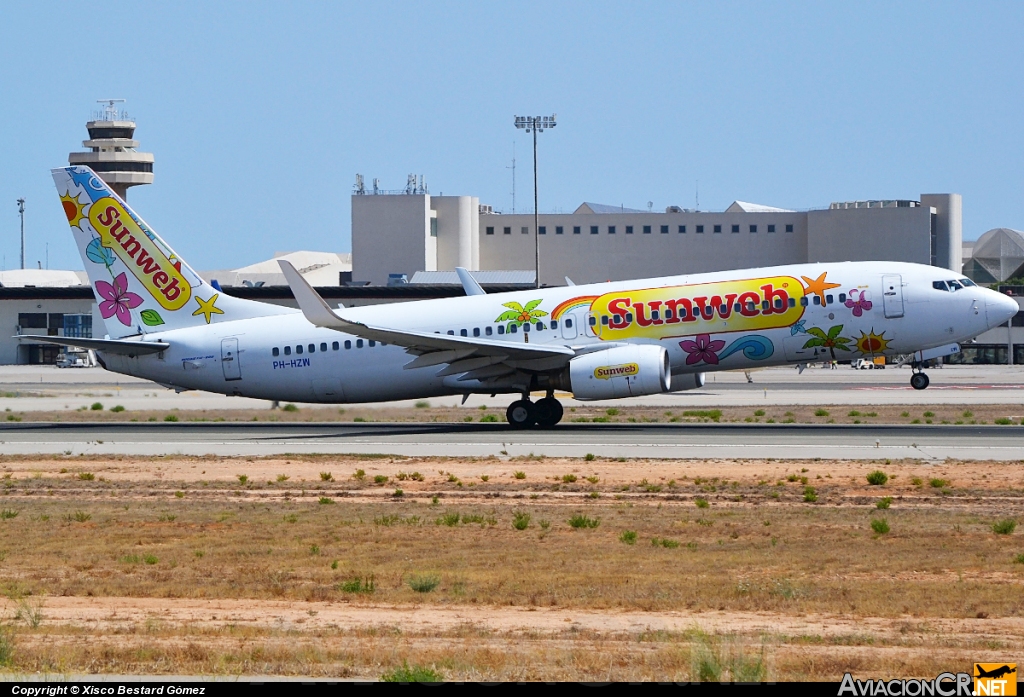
point(870, 234)
point(588, 258)
point(948, 250)
point(391, 235)
point(457, 223)
point(10, 309)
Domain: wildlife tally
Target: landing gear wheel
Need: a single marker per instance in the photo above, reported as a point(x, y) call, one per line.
point(521, 414)
point(919, 381)
point(549, 412)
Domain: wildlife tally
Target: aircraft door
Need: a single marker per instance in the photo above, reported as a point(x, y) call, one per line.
point(229, 359)
point(892, 296)
point(569, 326)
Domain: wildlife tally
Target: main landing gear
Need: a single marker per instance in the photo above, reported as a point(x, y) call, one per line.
point(918, 380)
point(544, 413)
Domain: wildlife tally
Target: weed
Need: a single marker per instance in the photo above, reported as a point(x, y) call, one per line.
point(179, 494)
point(877, 478)
point(1004, 527)
point(594, 479)
point(568, 478)
point(581, 521)
point(380, 479)
point(150, 559)
point(520, 521)
point(929, 414)
point(821, 412)
point(86, 476)
point(701, 502)
point(424, 584)
point(130, 559)
point(916, 481)
point(292, 518)
point(199, 553)
point(359, 420)
point(413, 673)
point(880, 526)
point(435, 500)
point(711, 662)
point(31, 613)
point(8, 513)
point(282, 477)
point(243, 479)
point(314, 550)
point(117, 408)
point(96, 406)
point(334, 565)
point(489, 419)
point(810, 495)
point(171, 418)
point(628, 537)
point(325, 501)
point(1019, 559)
point(357, 585)
point(883, 503)
point(664, 542)
point(450, 519)
point(398, 493)
point(611, 412)
point(544, 524)
point(79, 517)
point(854, 412)
point(519, 475)
point(359, 475)
point(589, 457)
point(937, 483)
point(904, 414)
point(1003, 421)
point(289, 407)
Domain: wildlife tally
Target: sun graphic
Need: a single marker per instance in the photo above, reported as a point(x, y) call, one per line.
point(872, 343)
point(74, 210)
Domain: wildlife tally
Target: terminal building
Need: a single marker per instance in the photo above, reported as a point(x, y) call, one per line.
point(399, 235)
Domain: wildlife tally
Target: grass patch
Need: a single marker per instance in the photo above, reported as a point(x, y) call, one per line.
point(937, 483)
point(877, 478)
point(289, 407)
point(714, 659)
point(810, 495)
point(581, 521)
point(628, 537)
point(880, 526)
point(883, 503)
point(701, 502)
point(1004, 527)
point(713, 414)
point(568, 478)
point(424, 584)
point(821, 412)
point(326, 477)
point(357, 585)
point(325, 501)
point(520, 520)
point(413, 673)
point(117, 408)
point(664, 542)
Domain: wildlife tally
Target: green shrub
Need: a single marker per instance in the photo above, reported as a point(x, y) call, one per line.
point(883, 502)
point(380, 479)
point(713, 414)
point(96, 406)
point(117, 408)
point(86, 476)
point(243, 479)
point(821, 412)
point(325, 501)
point(880, 526)
point(423, 405)
point(282, 478)
point(701, 502)
point(1003, 421)
point(150, 559)
point(489, 419)
point(611, 412)
point(326, 477)
point(877, 478)
point(938, 483)
point(171, 418)
point(1019, 559)
point(581, 521)
point(1004, 527)
point(424, 584)
point(628, 536)
point(568, 478)
point(589, 457)
point(356, 585)
point(8, 513)
point(759, 412)
point(357, 475)
point(666, 543)
point(412, 673)
point(289, 407)
point(520, 475)
point(450, 519)
point(810, 495)
point(520, 521)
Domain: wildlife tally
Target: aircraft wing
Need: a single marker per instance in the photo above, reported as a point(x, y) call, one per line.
point(120, 346)
point(464, 353)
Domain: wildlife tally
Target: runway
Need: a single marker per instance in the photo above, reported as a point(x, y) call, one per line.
point(801, 441)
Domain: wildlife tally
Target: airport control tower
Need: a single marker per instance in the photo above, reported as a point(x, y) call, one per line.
point(111, 151)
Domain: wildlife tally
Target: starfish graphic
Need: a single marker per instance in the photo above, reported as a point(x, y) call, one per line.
point(208, 307)
point(818, 286)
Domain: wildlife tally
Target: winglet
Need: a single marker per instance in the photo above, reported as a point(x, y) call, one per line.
point(568, 281)
point(469, 283)
point(312, 305)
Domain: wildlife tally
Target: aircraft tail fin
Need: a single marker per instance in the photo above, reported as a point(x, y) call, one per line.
point(141, 285)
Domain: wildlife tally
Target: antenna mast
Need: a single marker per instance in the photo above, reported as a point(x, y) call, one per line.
point(21, 212)
point(513, 168)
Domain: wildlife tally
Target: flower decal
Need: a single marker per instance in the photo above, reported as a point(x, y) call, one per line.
point(117, 300)
point(859, 301)
point(702, 348)
point(798, 328)
point(831, 340)
point(518, 315)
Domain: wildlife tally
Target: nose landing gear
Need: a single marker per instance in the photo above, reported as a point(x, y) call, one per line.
point(544, 413)
point(919, 380)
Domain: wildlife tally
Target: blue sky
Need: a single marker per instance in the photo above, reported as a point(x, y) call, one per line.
point(261, 114)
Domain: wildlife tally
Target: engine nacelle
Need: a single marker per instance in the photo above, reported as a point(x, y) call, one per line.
point(687, 381)
point(626, 371)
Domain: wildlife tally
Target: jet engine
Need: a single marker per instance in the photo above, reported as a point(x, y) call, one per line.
point(626, 371)
point(687, 381)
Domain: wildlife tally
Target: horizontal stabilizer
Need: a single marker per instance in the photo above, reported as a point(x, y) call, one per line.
point(119, 346)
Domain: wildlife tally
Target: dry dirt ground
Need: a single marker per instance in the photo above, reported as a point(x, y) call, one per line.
point(352, 566)
point(107, 411)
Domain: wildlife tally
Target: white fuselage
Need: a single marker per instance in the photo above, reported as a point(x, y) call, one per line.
point(247, 357)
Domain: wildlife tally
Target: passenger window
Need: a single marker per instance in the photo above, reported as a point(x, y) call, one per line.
point(451, 332)
point(629, 318)
point(778, 303)
point(792, 302)
point(372, 343)
point(817, 300)
point(540, 326)
point(828, 299)
point(750, 307)
point(737, 307)
point(348, 344)
point(463, 332)
point(298, 349)
point(604, 320)
point(765, 305)
point(656, 315)
point(323, 346)
point(501, 329)
point(476, 331)
point(593, 321)
point(359, 343)
point(668, 313)
point(512, 329)
point(723, 309)
point(488, 331)
point(335, 346)
point(312, 348)
point(276, 351)
point(554, 324)
point(568, 322)
point(526, 327)
point(287, 350)
point(803, 301)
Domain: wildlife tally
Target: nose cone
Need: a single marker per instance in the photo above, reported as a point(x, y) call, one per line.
point(999, 308)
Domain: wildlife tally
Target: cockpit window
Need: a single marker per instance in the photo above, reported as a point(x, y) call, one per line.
point(954, 285)
point(939, 285)
point(967, 282)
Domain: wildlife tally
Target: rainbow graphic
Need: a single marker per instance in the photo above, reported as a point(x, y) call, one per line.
point(573, 304)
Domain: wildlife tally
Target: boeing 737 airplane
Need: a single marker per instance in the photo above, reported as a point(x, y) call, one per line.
point(598, 341)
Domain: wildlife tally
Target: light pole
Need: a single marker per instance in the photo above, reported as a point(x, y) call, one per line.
point(535, 124)
point(21, 212)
